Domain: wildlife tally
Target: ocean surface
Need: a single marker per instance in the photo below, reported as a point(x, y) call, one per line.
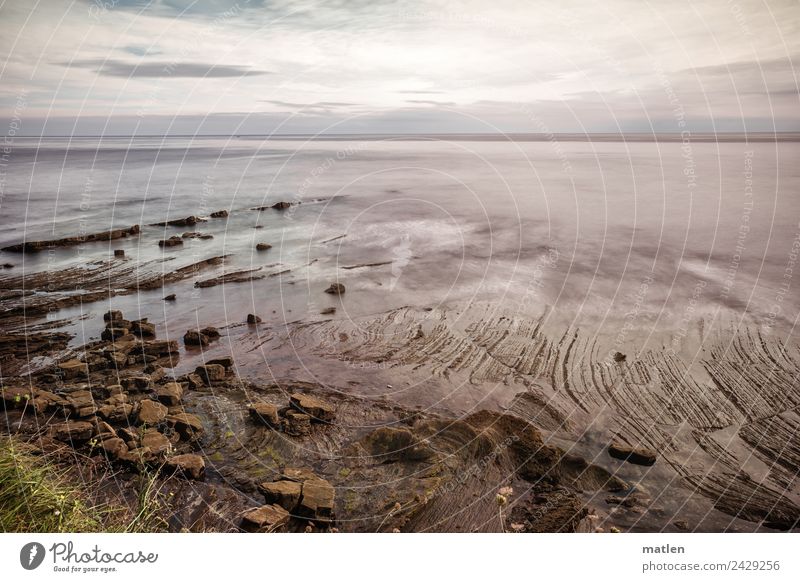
point(637, 242)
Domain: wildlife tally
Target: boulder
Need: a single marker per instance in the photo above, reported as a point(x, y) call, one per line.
point(112, 315)
point(328, 311)
point(113, 447)
point(170, 297)
point(296, 423)
point(189, 465)
point(73, 369)
point(187, 425)
point(252, 319)
point(119, 253)
point(156, 442)
point(283, 205)
point(143, 328)
point(219, 214)
point(266, 518)
point(284, 493)
point(318, 410)
point(266, 413)
point(160, 348)
point(81, 403)
point(210, 373)
point(210, 332)
point(114, 333)
point(263, 246)
point(194, 381)
point(72, 431)
point(172, 241)
point(136, 383)
point(226, 362)
point(637, 456)
point(195, 338)
point(170, 394)
point(115, 413)
point(389, 444)
point(117, 359)
point(151, 412)
point(335, 289)
point(317, 500)
point(103, 430)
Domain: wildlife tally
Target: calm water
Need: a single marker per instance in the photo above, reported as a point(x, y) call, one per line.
point(653, 234)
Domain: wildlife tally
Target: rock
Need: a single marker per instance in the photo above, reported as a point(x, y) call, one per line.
point(114, 447)
point(195, 338)
point(156, 442)
point(170, 297)
point(210, 332)
point(172, 241)
point(143, 328)
point(388, 444)
point(40, 245)
point(113, 333)
point(210, 373)
point(195, 382)
point(82, 403)
point(189, 465)
point(15, 397)
point(636, 456)
point(72, 431)
point(188, 221)
point(170, 394)
point(117, 359)
point(328, 311)
point(263, 246)
point(102, 429)
point(681, 524)
point(284, 493)
point(151, 412)
point(219, 214)
point(119, 253)
point(296, 423)
point(335, 289)
point(136, 383)
point(253, 319)
point(115, 413)
point(226, 362)
point(317, 409)
point(620, 357)
point(73, 369)
point(265, 413)
point(8, 266)
point(281, 205)
point(160, 348)
point(112, 315)
point(317, 499)
point(266, 518)
point(187, 425)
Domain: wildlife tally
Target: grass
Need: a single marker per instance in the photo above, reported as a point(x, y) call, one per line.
point(38, 494)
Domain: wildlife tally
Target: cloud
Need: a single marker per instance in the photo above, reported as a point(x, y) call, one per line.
point(162, 69)
point(429, 102)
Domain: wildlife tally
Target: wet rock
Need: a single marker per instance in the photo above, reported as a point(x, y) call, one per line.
point(194, 381)
point(187, 425)
point(151, 412)
point(296, 423)
point(266, 518)
point(263, 246)
point(317, 494)
point(210, 373)
point(8, 266)
point(170, 394)
point(189, 465)
point(226, 362)
point(620, 357)
point(119, 253)
point(36, 246)
point(210, 332)
point(219, 214)
point(114, 333)
point(117, 359)
point(265, 413)
point(156, 442)
point(283, 205)
point(318, 410)
point(188, 221)
point(113, 315)
point(195, 338)
point(72, 431)
point(172, 241)
point(388, 444)
point(170, 297)
point(73, 369)
point(335, 289)
point(556, 511)
point(633, 455)
point(142, 328)
point(160, 348)
point(252, 319)
point(328, 311)
point(284, 493)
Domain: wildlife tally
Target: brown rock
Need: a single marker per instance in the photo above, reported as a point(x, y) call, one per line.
point(219, 214)
point(72, 431)
point(195, 338)
point(266, 413)
point(143, 328)
point(112, 315)
point(156, 442)
point(283, 205)
point(335, 289)
point(190, 466)
point(170, 394)
point(115, 413)
point(172, 241)
point(395, 444)
point(114, 447)
point(210, 332)
point(151, 412)
point(263, 246)
point(284, 493)
point(119, 253)
point(226, 362)
point(317, 500)
point(114, 333)
point(328, 311)
point(73, 369)
point(170, 297)
point(633, 455)
point(252, 319)
point(318, 410)
point(188, 425)
point(195, 382)
point(296, 423)
point(136, 383)
point(210, 373)
point(266, 518)
point(160, 348)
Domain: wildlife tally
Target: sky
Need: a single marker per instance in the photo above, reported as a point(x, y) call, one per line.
point(123, 67)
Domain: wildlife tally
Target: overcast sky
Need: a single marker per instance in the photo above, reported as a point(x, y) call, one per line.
point(381, 66)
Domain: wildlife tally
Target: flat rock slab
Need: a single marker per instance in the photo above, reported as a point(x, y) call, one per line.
point(190, 466)
point(318, 410)
point(265, 518)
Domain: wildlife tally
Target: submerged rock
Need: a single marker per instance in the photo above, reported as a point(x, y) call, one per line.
point(219, 214)
point(335, 289)
point(36, 246)
point(172, 241)
point(263, 246)
point(253, 319)
point(170, 297)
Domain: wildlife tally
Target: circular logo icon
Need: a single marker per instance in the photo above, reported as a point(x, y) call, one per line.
point(31, 555)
